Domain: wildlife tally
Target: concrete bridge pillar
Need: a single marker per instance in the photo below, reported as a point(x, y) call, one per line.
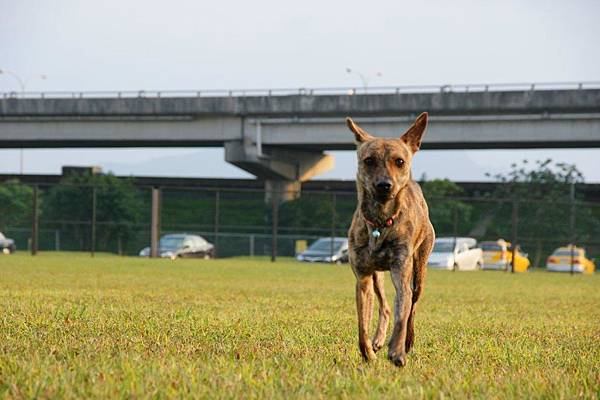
point(282, 169)
point(282, 190)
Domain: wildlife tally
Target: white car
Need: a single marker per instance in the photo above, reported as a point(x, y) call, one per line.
point(459, 254)
point(7, 246)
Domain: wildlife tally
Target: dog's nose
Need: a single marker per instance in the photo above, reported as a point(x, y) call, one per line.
point(384, 186)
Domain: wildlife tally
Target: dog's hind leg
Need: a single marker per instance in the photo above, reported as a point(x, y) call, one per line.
point(410, 329)
point(420, 268)
point(384, 310)
point(364, 307)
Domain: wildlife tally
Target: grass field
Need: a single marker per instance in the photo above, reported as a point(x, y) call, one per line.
point(76, 327)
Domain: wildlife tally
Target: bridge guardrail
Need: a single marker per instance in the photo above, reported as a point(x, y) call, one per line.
point(350, 91)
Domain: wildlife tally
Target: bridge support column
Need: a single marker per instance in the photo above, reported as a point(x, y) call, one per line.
point(282, 169)
point(281, 190)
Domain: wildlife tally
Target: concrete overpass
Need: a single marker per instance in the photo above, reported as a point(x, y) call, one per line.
point(280, 135)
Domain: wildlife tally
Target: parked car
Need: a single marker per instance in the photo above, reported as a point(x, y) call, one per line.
point(459, 254)
point(7, 246)
point(498, 255)
point(323, 250)
point(180, 245)
point(560, 260)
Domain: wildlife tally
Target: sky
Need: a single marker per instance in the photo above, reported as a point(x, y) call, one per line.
point(134, 45)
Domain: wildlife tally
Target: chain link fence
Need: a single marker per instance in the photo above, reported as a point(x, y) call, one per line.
point(117, 219)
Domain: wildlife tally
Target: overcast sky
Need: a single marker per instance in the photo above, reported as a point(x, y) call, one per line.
point(120, 45)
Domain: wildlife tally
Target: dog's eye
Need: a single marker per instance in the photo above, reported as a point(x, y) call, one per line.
point(369, 161)
point(399, 162)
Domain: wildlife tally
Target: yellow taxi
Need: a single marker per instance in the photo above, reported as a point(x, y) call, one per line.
point(560, 260)
point(498, 255)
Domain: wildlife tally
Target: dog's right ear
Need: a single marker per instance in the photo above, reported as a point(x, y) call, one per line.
point(360, 135)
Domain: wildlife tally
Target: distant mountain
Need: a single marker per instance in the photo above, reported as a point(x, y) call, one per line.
point(458, 165)
point(454, 165)
point(206, 163)
point(209, 163)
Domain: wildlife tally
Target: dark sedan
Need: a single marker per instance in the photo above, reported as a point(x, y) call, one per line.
point(326, 249)
point(182, 245)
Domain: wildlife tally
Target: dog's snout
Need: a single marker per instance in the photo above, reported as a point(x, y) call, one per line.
point(384, 185)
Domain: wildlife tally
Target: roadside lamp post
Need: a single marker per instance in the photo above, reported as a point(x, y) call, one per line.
point(22, 86)
point(363, 78)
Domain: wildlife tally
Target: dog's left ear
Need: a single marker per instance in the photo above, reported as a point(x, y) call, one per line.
point(413, 135)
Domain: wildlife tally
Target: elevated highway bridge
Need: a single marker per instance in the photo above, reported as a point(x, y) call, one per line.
point(280, 135)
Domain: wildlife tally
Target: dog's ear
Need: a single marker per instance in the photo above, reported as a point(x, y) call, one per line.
point(360, 135)
point(412, 137)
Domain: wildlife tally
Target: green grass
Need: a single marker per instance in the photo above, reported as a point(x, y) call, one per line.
point(76, 327)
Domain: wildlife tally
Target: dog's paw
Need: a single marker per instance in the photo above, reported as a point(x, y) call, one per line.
point(376, 347)
point(368, 352)
point(369, 355)
point(399, 359)
point(378, 344)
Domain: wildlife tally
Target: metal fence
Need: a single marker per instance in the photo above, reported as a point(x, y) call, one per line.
point(324, 91)
point(76, 217)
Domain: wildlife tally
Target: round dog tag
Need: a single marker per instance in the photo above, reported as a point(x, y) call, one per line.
point(375, 233)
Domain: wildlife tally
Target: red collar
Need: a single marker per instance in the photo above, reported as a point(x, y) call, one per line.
point(388, 222)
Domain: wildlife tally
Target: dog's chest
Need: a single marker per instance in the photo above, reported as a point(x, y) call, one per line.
point(380, 256)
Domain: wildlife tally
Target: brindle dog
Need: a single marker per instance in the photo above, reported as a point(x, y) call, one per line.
point(390, 231)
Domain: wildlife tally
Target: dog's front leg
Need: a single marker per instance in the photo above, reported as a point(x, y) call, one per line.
point(384, 311)
point(401, 277)
point(364, 307)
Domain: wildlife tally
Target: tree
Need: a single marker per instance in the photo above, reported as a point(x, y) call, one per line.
point(448, 213)
point(118, 209)
point(545, 180)
point(308, 212)
point(543, 192)
point(15, 204)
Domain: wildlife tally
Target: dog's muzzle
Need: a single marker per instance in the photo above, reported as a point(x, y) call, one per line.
point(383, 191)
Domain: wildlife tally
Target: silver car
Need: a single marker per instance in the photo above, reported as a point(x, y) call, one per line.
point(326, 249)
point(182, 245)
